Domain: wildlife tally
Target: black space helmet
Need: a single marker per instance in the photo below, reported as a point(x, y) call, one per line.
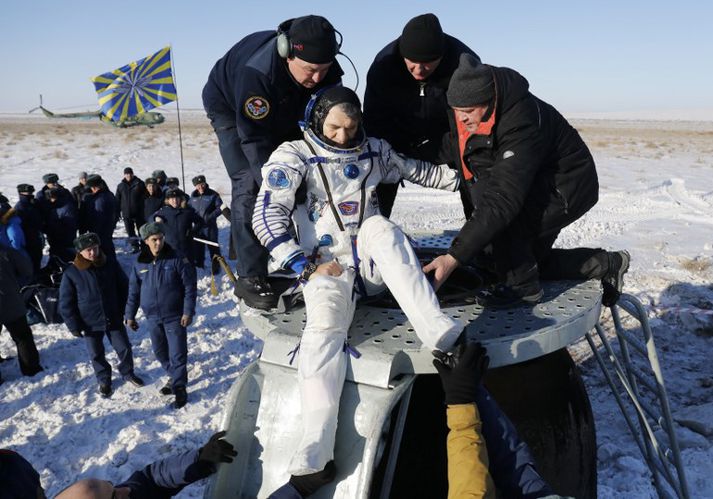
point(320, 105)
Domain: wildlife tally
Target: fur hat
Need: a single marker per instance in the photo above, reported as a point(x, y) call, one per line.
point(50, 178)
point(151, 229)
point(94, 180)
point(199, 179)
point(25, 188)
point(86, 240)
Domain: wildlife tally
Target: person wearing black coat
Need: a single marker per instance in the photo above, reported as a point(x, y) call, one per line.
point(208, 205)
point(405, 98)
point(529, 175)
point(14, 267)
point(181, 223)
point(31, 216)
point(130, 194)
point(154, 198)
point(92, 296)
point(254, 97)
point(60, 222)
point(80, 190)
point(100, 214)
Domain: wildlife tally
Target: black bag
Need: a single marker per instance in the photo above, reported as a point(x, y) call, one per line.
point(42, 304)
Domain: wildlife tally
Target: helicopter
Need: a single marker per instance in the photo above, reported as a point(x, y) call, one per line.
point(148, 119)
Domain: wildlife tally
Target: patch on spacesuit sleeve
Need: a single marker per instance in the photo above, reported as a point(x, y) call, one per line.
point(256, 107)
point(348, 207)
point(278, 179)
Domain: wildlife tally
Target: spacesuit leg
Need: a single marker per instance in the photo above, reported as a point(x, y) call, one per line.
point(322, 364)
point(387, 255)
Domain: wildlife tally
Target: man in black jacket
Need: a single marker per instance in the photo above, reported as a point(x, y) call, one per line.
point(100, 213)
point(529, 174)
point(14, 267)
point(254, 98)
point(405, 99)
point(130, 195)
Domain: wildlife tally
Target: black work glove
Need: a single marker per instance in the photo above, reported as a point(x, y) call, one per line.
point(461, 377)
point(77, 334)
point(307, 485)
point(217, 450)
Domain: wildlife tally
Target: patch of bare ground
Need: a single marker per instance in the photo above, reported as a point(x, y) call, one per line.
point(696, 265)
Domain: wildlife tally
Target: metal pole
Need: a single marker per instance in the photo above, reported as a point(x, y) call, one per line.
point(178, 115)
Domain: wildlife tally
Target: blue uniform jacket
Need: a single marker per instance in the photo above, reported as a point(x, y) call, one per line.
point(152, 204)
point(167, 477)
point(92, 298)
point(207, 206)
point(165, 287)
point(250, 89)
point(100, 213)
point(181, 225)
point(61, 220)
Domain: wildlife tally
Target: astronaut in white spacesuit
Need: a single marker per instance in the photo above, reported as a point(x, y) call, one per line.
point(343, 249)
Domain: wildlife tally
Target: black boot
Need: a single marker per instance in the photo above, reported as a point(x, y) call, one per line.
point(167, 388)
point(181, 397)
point(134, 380)
point(105, 390)
point(613, 280)
point(307, 485)
point(502, 296)
point(256, 292)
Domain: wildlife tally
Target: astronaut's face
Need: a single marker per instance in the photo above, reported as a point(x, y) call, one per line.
point(338, 127)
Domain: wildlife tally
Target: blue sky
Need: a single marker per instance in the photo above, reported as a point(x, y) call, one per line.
point(579, 56)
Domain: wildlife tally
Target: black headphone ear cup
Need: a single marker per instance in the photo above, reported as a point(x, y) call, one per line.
point(284, 46)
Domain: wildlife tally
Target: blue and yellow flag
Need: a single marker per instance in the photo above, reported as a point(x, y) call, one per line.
point(137, 87)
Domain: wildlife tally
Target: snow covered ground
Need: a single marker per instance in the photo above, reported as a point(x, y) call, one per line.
point(656, 200)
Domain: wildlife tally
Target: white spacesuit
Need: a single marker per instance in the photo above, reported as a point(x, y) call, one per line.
point(318, 203)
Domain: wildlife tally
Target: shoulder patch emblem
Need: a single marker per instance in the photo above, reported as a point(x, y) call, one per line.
point(508, 154)
point(256, 107)
point(278, 179)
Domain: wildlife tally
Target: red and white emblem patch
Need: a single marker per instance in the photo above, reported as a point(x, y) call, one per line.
point(256, 107)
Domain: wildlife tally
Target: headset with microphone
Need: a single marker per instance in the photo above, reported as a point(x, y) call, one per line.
point(286, 49)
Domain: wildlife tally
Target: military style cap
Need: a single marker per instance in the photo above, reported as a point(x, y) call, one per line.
point(25, 188)
point(50, 178)
point(86, 240)
point(199, 179)
point(151, 229)
point(94, 180)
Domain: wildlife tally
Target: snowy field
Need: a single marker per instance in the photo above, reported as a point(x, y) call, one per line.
point(656, 200)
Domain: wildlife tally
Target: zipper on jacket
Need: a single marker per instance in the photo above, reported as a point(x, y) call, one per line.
point(422, 89)
point(564, 200)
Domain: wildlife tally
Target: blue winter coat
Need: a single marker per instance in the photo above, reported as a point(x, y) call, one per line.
point(61, 220)
point(165, 287)
point(167, 477)
point(92, 298)
point(181, 225)
point(152, 204)
point(251, 90)
point(100, 213)
point(11, 233)
point(207, 206)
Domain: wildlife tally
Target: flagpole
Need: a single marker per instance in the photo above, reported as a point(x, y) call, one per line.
point(178, 114)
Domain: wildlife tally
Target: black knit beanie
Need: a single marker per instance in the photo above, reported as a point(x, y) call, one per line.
point(422, 39)
point(313, 39)
point(471, 84)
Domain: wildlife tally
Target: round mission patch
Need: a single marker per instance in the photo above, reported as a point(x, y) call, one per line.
point(256, 107)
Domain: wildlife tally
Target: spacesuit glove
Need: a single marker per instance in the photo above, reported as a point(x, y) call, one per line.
point(461, 378)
